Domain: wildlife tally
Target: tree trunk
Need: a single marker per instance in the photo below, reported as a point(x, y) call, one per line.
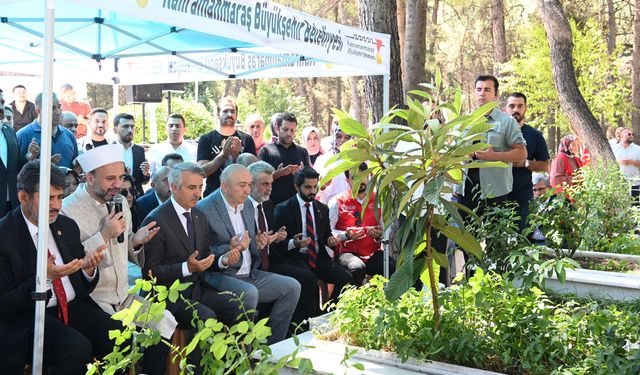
point(497, 31)
point(380, 16)
point(415, 44)
point(583, 123)
point(635, 71)
point(433, 30)
point(355, 109)
point(611, 25)
point(402, 21)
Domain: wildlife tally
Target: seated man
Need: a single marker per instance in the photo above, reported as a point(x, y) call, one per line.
point(358, 231)
point(181, 250)
point(307, 223)
point(231, 224)
point(75, 330)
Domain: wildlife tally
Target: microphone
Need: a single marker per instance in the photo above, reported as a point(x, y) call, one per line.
point(117, 207)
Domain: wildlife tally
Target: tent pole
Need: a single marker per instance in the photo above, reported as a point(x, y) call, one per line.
point(116, 88)
point(44, 187)
point(385, 246)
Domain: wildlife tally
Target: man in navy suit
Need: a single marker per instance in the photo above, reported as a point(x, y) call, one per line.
point(308, 233)
point(180, 250)
point(11, 162)
point(158, 194)
point(76, 328)
point(232, 223)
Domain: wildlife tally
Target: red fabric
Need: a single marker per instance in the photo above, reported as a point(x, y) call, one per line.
point(82, 109)
point(347, 209)
point(567, 174)
point(311, 247)
point(61, 295)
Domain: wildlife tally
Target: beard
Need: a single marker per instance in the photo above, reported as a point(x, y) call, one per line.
point(362, 188)
point(307, 198)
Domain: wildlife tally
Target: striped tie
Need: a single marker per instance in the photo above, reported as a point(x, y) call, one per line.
point(311, 248)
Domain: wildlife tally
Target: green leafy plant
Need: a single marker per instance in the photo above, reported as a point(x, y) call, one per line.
point(413, 168)
point(239, 349)
point(599, 217)
point(490, 324)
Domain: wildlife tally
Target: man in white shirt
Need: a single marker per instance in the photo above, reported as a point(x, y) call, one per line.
point(176, 127)
point(628, 156)
point(232, 223)
point(76, 329)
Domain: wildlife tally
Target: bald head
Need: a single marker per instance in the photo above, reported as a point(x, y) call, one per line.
point(235, 183)
point(70, 121)
point(160, 183)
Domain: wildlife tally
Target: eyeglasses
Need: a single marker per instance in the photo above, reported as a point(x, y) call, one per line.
point(126, 192)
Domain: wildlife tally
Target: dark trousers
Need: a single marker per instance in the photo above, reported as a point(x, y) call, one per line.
point(67, 349)
point(309, 297)
point(635, 194)
point(326, 270)
point(359, 268)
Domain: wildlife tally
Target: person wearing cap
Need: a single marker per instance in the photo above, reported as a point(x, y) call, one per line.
point(92, 207)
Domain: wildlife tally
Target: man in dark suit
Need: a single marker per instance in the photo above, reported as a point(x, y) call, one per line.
point(11, 162)
point(134, 160)
point(157, 195)
point(76, 329)
point(309, 232)
point(262, 179)
point(180, 250)
point(232, 223)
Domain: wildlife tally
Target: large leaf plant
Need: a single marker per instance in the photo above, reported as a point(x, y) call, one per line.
point(413, 167)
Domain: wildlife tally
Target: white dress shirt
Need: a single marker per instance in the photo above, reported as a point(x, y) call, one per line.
point(53, 249)
point(128, 158)
point(303, 215)
point(235, 214)
point(183, 220)
point(255, 216)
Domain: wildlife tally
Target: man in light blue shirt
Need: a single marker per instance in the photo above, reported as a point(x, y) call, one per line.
point(491, 186)
point(63, 143)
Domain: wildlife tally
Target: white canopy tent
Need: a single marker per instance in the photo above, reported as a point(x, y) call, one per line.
point(157, 41)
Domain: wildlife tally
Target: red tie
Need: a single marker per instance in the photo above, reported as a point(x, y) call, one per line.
point(311, 248)
point(264, 252)
point(61, 295)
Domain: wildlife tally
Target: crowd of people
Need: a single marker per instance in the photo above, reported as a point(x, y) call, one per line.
point(240, 217)
point(237, 216)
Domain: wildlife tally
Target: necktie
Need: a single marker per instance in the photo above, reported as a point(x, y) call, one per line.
point(191, 232)
point(61, 295)
point(264, 252)
point(311, 248)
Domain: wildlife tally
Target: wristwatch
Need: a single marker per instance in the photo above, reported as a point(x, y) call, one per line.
point(526, 163)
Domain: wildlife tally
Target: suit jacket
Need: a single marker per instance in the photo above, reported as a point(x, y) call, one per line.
point(288, 214)
point(221, 230)
point(171, 246)
point(18, 264)
point(9, 173)
point(146, 203)
point(138, 178)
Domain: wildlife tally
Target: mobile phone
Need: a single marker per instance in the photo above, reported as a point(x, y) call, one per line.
point(117, 207)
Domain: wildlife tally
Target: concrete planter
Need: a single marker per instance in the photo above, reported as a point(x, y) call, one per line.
point(327, 355)
point(599, 284)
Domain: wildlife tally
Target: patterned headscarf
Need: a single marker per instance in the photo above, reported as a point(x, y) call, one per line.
point(565, 144)
point(334, 147)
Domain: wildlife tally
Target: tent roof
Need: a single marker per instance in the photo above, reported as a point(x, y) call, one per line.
point(146, 41)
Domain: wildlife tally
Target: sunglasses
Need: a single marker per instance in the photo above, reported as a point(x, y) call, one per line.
point(126, 192)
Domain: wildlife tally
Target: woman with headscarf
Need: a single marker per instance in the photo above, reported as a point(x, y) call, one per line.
point(339, 183)
point(311, 141)
point(566, 162)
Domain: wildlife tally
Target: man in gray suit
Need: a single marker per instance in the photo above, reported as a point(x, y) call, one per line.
point(180, 250)
point(231, 224)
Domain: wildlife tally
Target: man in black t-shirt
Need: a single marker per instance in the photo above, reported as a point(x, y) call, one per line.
point(286, 157)
point(537, 157)
point(221, 147)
